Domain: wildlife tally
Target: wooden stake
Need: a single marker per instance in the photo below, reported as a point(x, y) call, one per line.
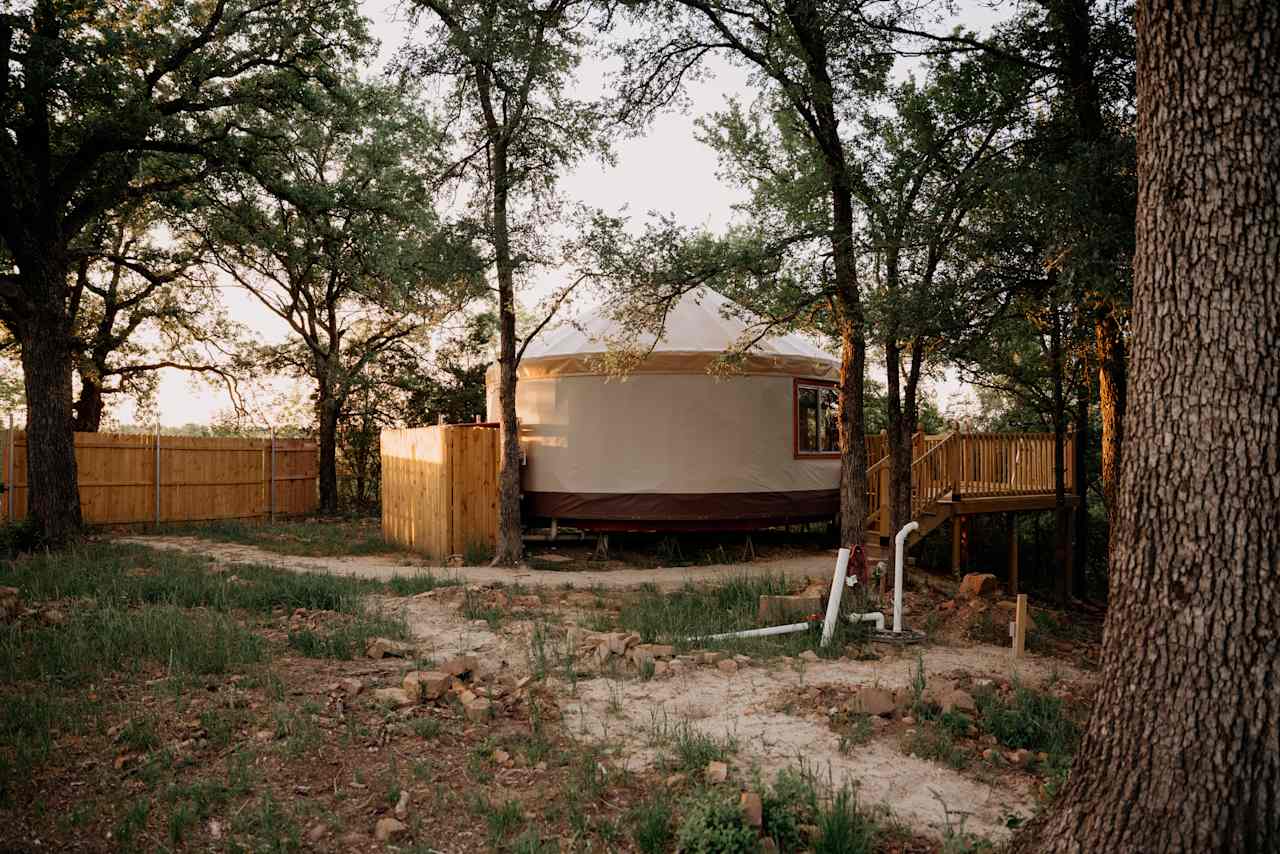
point(957, 525)
point(1020, 626)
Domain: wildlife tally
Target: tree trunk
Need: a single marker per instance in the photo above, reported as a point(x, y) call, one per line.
point(510, 545)
point(899, 436)
point(47, 361)
point(1061, 513)
point(1111, 402)
point(1182, 752)
point(327, 412)
point(1080, 553)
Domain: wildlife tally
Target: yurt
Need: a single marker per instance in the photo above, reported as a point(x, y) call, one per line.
point(671, 445)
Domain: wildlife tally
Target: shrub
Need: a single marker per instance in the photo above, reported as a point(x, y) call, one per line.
point(651, 826)
point(713, 824)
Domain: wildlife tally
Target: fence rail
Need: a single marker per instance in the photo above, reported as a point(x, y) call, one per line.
point(125, 478)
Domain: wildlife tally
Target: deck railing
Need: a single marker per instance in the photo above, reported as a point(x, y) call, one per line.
point(972, 465)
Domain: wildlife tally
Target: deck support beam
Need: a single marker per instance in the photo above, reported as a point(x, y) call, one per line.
point(1011, 529)
point(957, 543)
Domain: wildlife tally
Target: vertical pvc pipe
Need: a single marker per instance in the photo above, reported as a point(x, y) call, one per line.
point(833, 600)
point(157, 472)
point(899, 548)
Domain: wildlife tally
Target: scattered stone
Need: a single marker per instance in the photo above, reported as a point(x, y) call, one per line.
point(957, 700)
point(396, 698)
point(388, 648)
point(873, 701)
point(264, 735)
point(717, 772)
point(975, 585)
point(317, 832)
point(662, 669)
point(427, 684)
point(728, 665)
point(351, 687)
point(553, 557)
point(402, 805)
point(10, 604)
point(502, 758)
point(988, 754)
point(657, 650)
point(460, 666)
point(530, 601)
point(675, 780)
point(809, 655)
point(478, 710)
point(1019, 758)
point(768, 846)
point(712, 657)
point(908, 720)
point(776, 610)
point(752, 809)
point(388, 829)
point(743, 660)
point(949, 605)
point(53, 617)
point(352, 841)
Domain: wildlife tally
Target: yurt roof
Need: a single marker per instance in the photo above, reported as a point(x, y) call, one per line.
point(701, 321)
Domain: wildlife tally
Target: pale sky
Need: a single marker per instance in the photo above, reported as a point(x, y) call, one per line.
point(667, 170)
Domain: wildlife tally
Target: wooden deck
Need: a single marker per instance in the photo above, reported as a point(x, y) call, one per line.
point(964, 474)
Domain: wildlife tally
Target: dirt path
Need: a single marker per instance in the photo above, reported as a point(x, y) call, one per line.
point(627, 714)
point(382, 567)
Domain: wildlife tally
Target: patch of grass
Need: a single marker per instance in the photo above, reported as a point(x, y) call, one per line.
point(842, 827)
point(937, 744)
point(531, 842)
point(686, 748)
point(859, 730)
point(126, 575)
point(348, 640)
point(273, 829)
point(686, 617)
point(139, 735)
point(501, 821)
point(651, 828)
point(110, 638)
point(1028, 720)
point(311, 537)
point(132, 823)
point(420, 582)
point(474, 607)
point(477, 554)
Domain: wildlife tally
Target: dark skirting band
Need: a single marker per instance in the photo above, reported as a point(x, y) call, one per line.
point(683, 511)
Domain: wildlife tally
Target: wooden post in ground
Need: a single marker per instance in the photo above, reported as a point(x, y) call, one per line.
point(1011, 524)
point(1020, 626)
point(157, 472)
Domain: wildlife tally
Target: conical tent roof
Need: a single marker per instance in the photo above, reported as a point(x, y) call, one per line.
point(700, 322)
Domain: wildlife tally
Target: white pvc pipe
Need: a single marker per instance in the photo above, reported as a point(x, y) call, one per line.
point(899, 547)
point(833, 600)
point(755, 633)
point(869, 617)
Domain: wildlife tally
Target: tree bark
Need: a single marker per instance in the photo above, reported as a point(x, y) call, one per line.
point(510, 544)
point(328, 410)
point(1111, 402)
point(1080, 552)
point(1061, 513)
point(1182, 752)
point(47, 361)
point(89, 406)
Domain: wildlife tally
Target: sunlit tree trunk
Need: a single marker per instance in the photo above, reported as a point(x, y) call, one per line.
point(1182, 752)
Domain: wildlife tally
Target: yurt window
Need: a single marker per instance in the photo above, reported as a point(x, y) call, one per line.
point(817, 410)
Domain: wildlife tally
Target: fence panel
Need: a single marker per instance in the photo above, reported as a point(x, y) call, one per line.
point(199, 479)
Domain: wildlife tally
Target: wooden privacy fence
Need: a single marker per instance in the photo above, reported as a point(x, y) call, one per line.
point(127, 478)
point(440, 488)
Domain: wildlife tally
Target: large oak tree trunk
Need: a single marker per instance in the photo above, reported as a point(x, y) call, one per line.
point(47, 361)
point(1182, 752)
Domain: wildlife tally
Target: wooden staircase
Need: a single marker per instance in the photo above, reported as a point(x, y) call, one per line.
point(960, 474)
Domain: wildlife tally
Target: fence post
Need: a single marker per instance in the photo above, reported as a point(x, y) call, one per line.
point(271, 506)
point(8, 477)
point(157, 472)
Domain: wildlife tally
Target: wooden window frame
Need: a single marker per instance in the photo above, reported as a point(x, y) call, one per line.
point(796, 453)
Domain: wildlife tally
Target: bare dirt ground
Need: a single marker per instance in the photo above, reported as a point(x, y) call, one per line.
point(770, 710)
point(385, 566)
